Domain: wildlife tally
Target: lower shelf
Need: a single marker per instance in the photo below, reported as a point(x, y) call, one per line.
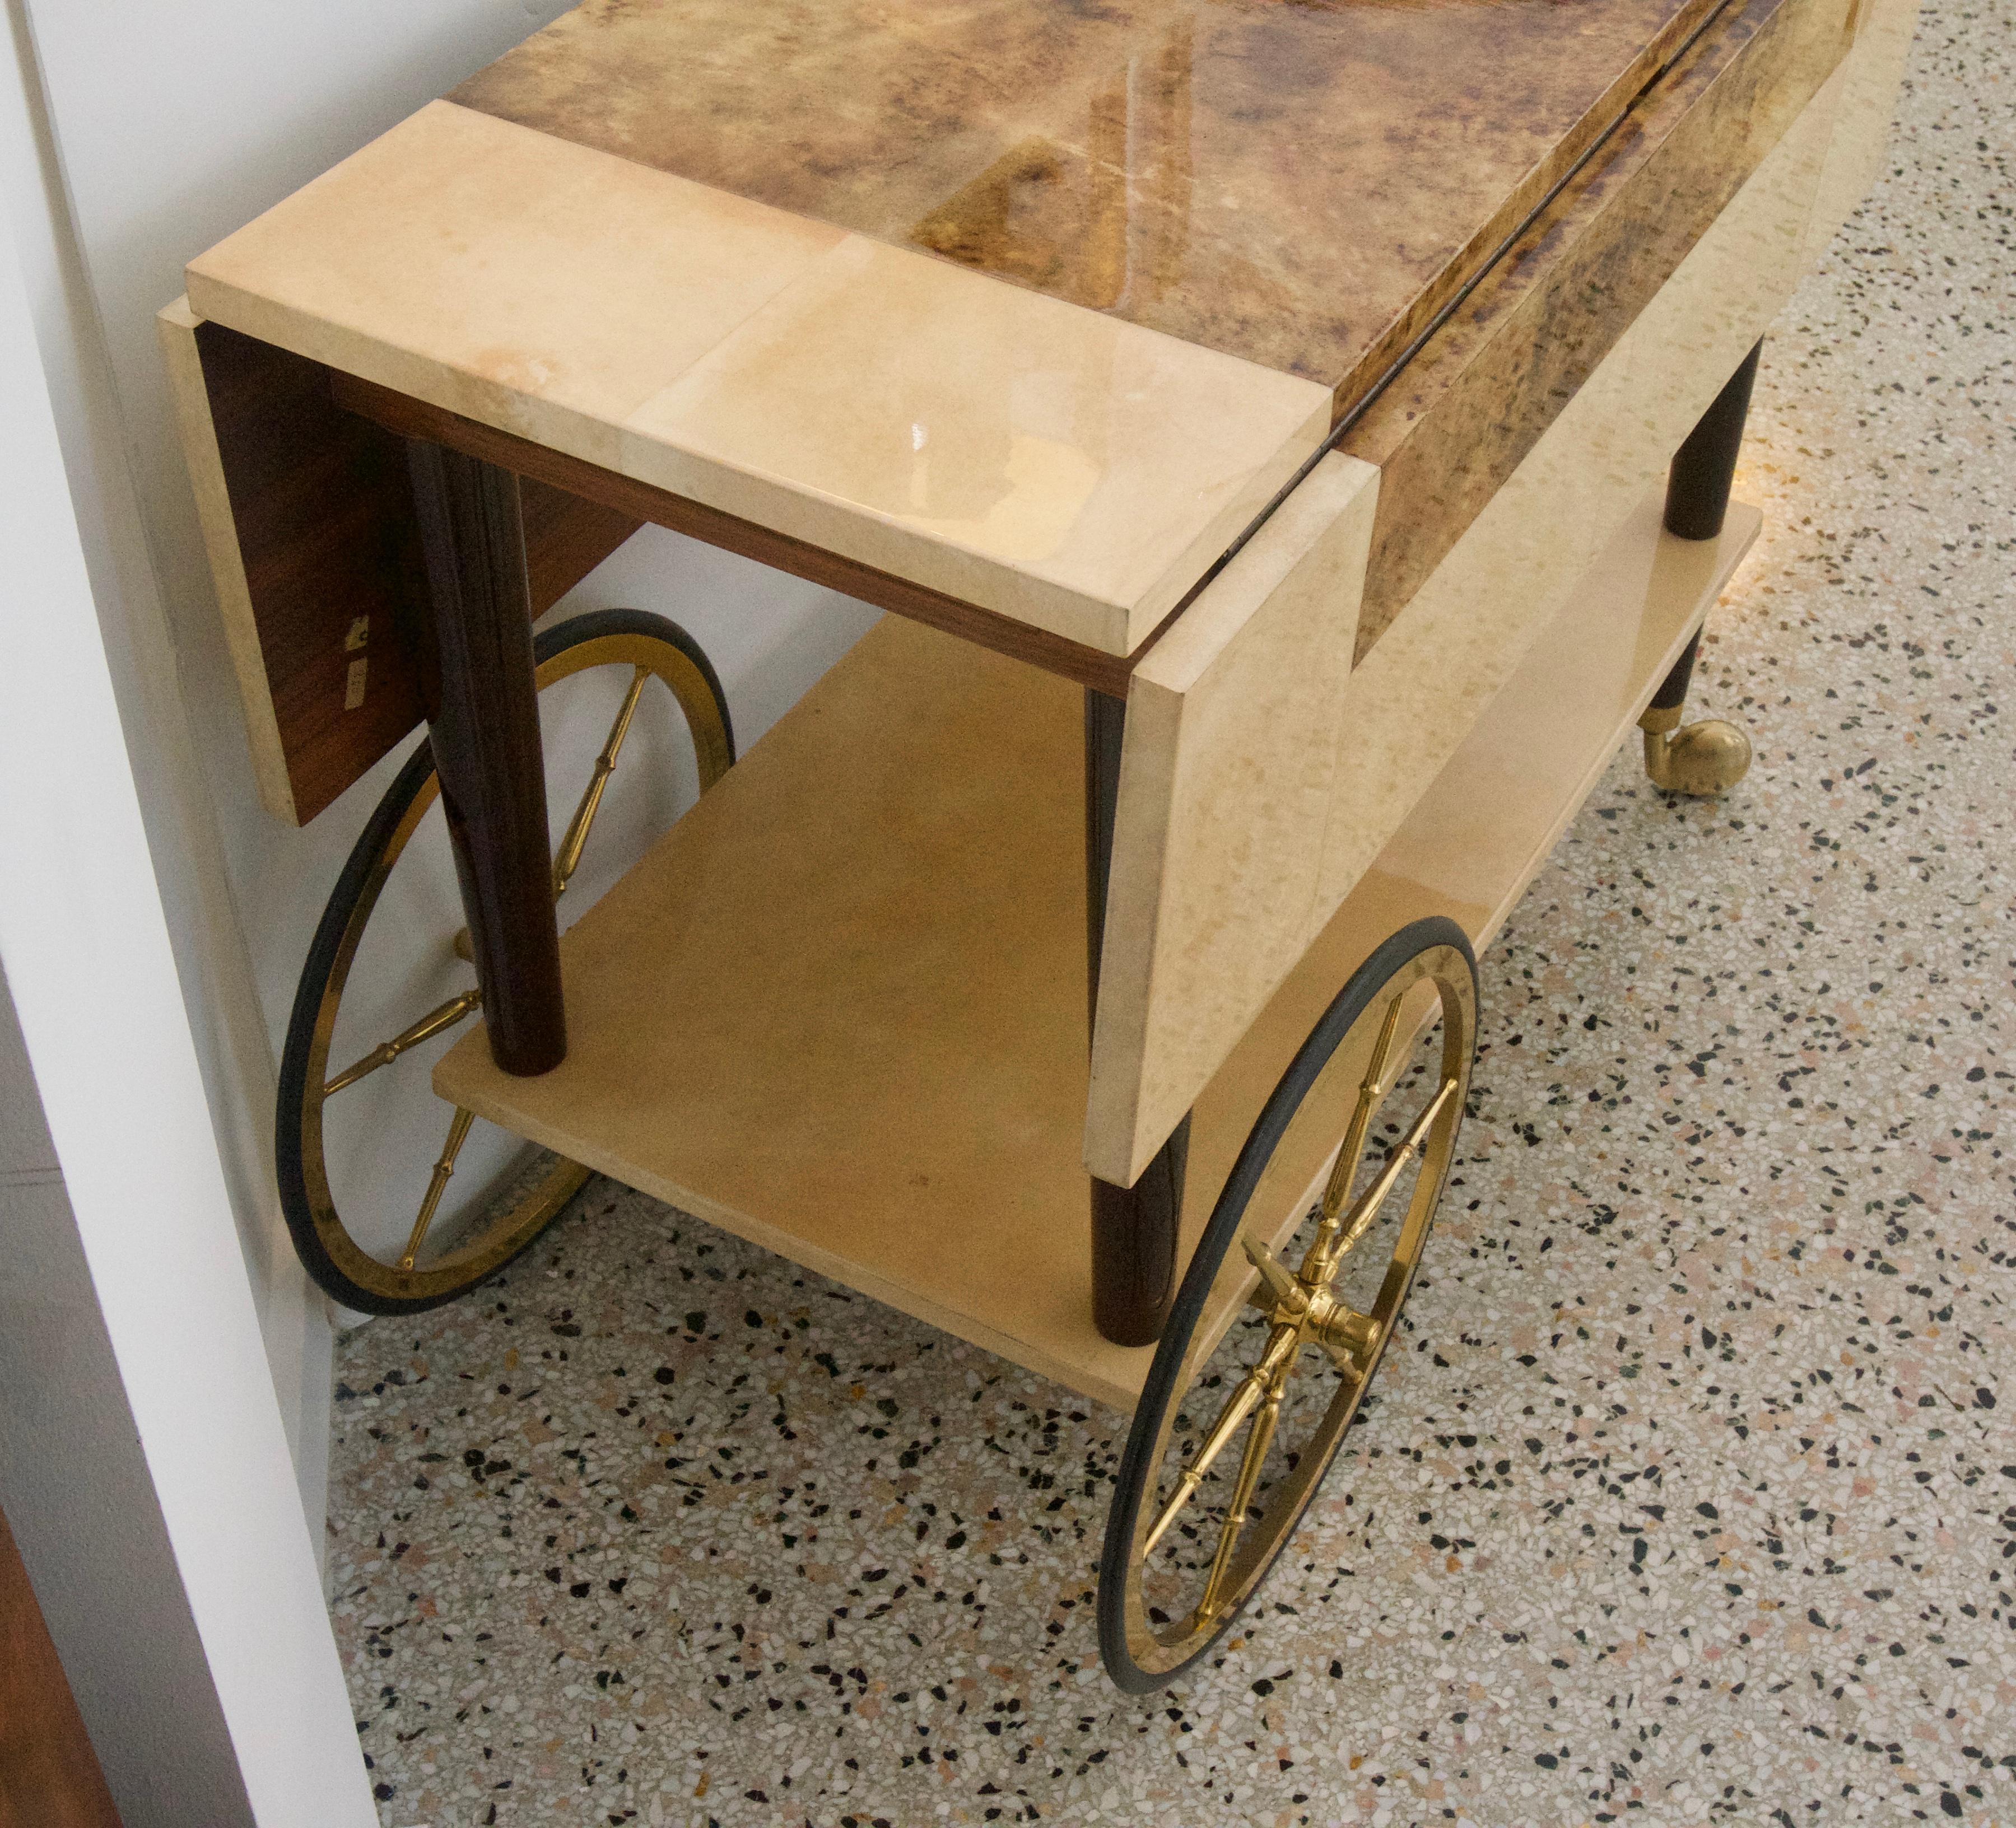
point(840, 1009)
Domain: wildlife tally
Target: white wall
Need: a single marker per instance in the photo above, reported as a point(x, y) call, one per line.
point(172, 122)
point(85, 948)
point(230, 1029)
point(95, 1546)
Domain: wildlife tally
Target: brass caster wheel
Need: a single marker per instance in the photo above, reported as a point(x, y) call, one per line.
point(1708, 757)
point(1288, 1305)
point(436, 1254)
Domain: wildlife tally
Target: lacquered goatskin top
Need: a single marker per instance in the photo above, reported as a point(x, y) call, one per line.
point(1298, 182)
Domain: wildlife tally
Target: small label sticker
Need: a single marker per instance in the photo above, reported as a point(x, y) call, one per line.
point(360, 633)
point(353, 690)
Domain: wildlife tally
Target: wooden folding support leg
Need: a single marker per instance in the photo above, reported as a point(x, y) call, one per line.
point(1133, 1228)
point(482, 707)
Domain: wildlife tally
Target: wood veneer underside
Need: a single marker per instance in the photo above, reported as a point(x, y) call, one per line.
point(320, 523)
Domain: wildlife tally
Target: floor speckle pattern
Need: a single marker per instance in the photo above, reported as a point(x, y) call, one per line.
point(1689, 1502)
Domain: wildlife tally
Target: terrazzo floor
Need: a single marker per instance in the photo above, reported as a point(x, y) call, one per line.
point(1691, 1504)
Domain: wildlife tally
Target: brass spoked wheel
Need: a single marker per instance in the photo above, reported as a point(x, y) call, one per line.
point(373, 1259)
point(1289, 1303)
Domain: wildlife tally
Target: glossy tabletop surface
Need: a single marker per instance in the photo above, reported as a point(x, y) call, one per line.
point(1036, 303)
point(1281, 180)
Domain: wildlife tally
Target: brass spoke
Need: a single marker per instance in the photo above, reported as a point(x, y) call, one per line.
point(1257, 1444)
point(1359, 1220)
point(1287, 1298)
point(1345, 1169)
point(429, 1026)
point(1251, 1388)
point(1234, 1412)
point(571, 846)
point(567, 859)
point(458, 1132)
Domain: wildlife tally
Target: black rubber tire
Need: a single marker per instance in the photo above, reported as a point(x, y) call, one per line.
point(385, 817)
point(1131, 1482)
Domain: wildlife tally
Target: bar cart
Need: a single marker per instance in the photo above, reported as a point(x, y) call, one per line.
point(1294, 443)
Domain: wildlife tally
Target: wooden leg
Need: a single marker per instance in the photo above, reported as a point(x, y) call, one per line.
point(1134, 1246)
point(1672, 694)
point(483, 715)
point(1133, 1228)
point(1705, 465)
point(1712, 756)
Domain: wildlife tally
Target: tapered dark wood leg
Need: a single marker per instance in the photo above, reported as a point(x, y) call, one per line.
point(1711, 756)
point(1134, 1246)
point(1672, 694)
point(483, 717)
point(1133, 1228)
point(1697, 489)
point(1698, 485)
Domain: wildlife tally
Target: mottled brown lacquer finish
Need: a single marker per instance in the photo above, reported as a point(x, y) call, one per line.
point(1461, 416)
point(1298, 182)
point(325, 525)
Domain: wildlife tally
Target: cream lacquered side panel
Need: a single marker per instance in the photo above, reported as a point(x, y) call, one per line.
point(176, 324)
point(1173, 1006)
point(1227, 781)
point(1415, 696)
point(1869, 80)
